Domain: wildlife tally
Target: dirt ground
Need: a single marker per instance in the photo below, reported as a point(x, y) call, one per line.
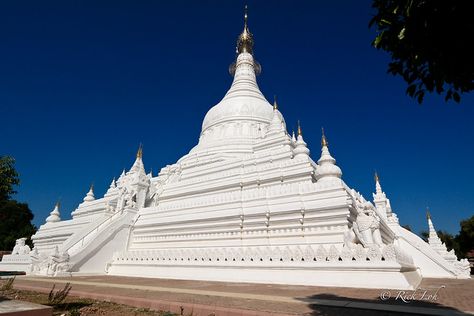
point(75, 306)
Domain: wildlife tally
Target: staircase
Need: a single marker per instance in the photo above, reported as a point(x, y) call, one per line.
point(111, 232)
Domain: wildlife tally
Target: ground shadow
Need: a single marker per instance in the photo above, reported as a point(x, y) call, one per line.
point(325, 304)
point(71, 305)
point(3, 298)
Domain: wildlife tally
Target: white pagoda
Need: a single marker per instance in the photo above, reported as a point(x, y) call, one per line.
point(246, 204)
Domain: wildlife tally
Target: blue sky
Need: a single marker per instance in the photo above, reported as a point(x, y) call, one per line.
point(82, 83)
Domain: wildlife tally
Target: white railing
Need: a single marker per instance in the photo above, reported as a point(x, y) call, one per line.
point(84, 241)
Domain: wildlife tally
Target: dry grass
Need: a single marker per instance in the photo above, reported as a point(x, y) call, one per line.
point(75, 306)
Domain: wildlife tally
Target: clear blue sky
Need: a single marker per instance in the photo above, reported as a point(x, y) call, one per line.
point(82, 83)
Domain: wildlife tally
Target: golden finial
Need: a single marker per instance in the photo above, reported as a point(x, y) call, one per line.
point(324, 142)
point(140, 151)
point(245, 16)
point(275, 104)
point(300, 133)
point(428, 215)
point(245, 41)
point(376, 177)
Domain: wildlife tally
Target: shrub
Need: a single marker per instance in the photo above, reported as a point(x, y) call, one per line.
point(55, 298)
point(8, 285)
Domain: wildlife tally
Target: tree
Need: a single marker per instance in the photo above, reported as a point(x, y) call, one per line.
point(8, 177)
point(407, 227)
point(465, 238)
point(424, 235)
point(15, 222)
point(15, 217)
point(449, 240)
point(429, 43)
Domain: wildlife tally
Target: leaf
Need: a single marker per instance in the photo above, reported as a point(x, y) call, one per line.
point(411, 90)
point(378, 39)
point(401, 35)
point(456, 97)
point(420, 97)
point(449, 95)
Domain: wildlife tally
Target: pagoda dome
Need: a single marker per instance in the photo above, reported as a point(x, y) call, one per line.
point(244, 101)
point(242, 117)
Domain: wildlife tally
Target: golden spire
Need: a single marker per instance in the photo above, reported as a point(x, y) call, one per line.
point(324, 142)
point(428, 215)
point(300, 133)
point(275, 104)
point(245, 16)
point(376, 177)
point(140, 151)
point(245, 41)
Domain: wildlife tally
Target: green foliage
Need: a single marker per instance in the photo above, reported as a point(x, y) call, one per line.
point(8, 177)
point(429, 43)
point(56, 298)
point(448, 240)
point(15, 222)
point(424, 235)
point(465, 238)
point(15, 217)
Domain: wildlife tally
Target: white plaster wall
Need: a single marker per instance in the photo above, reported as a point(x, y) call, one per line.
point(386, 276)
point(97, 260)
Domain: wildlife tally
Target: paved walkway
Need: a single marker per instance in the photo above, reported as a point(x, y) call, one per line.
point(20, 308)
point(434, 297)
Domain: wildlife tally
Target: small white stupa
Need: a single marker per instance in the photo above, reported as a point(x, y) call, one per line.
point(327, 170)
point(90, 195)
point(54, 216)
point(301, 150)
point(436, 243)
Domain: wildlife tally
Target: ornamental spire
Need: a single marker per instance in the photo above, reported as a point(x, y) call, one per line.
point(380, 199)
point(54, 216)
point(432, 231)
point(324, 142)
point(113, 185)
point(245, 69)
point(301, 150)
point(140, 151)
point(327, 168)
point(276, 124)
point(245, 40)
point(275, 104)
point(90, 195)
point(378, 187)
point(137, 166)
point(245, 16)
point(435, 242)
